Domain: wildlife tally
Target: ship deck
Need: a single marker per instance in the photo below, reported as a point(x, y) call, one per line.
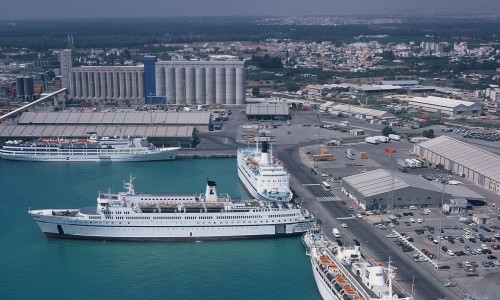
point(89, 210)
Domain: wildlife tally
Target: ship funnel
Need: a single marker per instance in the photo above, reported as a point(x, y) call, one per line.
point(211, 192)
point(264, 156)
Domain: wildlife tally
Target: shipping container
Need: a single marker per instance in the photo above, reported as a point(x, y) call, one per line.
point(410, 163)
point(382, 139)
point(402, 165)
point(363, 155)
point(418, 163)
point(389, 150)
point(372, 140)
point(395, 137)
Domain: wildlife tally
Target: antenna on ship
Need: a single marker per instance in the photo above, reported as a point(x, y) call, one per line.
point(389, 273)
point(130, 185)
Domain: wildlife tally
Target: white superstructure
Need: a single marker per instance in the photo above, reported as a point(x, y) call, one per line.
point(93, 149)
point(343, 272)
point(173, 217)
point(262, 174)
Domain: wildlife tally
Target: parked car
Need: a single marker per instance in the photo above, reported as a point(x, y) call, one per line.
point(491, 257)
point(450, 284)
point(444, 248)
point(450, 253)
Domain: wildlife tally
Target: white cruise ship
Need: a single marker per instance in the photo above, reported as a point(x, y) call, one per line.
point(93, 149)
point(342, 272)
point(173, 217)
point(262, 174)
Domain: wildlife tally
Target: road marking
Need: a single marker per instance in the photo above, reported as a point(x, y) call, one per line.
point(334, 198)
point(309, 184)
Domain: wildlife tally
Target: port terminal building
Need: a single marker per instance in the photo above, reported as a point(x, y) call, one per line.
point(373, 190)
point(157, 82)
point(267, 111)
point(162, 128)
point(472, 163)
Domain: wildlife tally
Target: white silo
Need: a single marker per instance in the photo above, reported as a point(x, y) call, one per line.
point(240, 85)
point(230, 85)
point(170, 84)
point(180, 85)
point(190, 86)
point(220, 85)
point(210, 85)
point(200, 85)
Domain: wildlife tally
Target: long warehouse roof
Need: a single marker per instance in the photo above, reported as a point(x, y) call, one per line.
point(471, 157)
point(280, 109)
point(131, 117)
point(379, 181)
point(440, 101)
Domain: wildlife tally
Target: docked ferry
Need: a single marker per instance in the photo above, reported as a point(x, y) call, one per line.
point(93, 149)
point(173, 217)
point(262, 174)
point(343, 272)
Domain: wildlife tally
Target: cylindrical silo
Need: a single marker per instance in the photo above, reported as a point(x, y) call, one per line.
point(160, 80)
point(116, 85)
point(240, 85)
point(20, 88)
point(170, 84)
point(109, 85)
point(104, 89)
point(77, 92)
point(97, 84)
point(180, 85)
point(210, 85)
point(230, 85)
point(122, 85)
point(220, 85)
point(29, 88)
point(200, 85)
point(190, 86)
point(85, 85)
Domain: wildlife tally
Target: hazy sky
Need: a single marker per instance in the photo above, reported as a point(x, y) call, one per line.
point(48, 9)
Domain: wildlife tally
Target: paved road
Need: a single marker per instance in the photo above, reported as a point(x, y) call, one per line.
point(427, 284)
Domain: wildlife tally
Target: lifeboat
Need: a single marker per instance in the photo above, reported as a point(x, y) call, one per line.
point(325, 260)
point(333, 267)
point(350, 291)
point(340, 279)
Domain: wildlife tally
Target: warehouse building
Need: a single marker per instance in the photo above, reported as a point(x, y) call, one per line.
point(267, 111)
point(472, 163)
point(449, 107)
point(360, 112)
point(373, 190)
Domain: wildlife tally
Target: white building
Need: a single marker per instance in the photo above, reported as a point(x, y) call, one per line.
point(446, 106)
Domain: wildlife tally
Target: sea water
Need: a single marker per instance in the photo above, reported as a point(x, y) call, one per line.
point(34, 267)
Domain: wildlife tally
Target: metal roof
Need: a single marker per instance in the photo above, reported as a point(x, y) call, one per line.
point(459, 191)
point(440, 101)
point(267, 109)
point(361, 110)
point(111, 118)
point(467, 155)
point(380, 181)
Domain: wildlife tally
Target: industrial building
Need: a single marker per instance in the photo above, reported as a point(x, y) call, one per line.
point(267, 111)
point(161, 127)
point(472, 163)
point(360, 112)
point(373, 190)
point(397, 82)
point(157, 82)
point(449, 107)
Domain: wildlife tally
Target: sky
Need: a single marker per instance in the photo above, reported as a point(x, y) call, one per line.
point(64, 9)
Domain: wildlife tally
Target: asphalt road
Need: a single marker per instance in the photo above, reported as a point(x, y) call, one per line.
point(427, 284)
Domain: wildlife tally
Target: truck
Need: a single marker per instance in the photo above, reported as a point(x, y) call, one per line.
point(410, 163)
point(349, 154)
point(372, 140)
point(336, 232)
point(402, 165)
point(382, 139)
point(418, 164)
point(394, 137)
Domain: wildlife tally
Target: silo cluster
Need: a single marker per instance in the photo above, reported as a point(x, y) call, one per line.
point(25, 88)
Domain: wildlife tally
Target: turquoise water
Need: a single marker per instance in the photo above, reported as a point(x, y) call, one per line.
point(33, 267)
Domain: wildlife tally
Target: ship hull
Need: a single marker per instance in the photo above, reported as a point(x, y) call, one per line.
point(323, 289)
point(164, 154)
point(69, 230)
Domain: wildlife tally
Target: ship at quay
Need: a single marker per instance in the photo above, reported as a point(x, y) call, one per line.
point(93, 149)
point(343, 272)
point(134, 216)
point(262, 174)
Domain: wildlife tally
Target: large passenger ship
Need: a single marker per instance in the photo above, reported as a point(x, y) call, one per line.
point(173, 217)
point(93, 149)
point(343, 273)
point(262, 174)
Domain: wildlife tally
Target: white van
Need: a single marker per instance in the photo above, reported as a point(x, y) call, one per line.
point(336, 232)
point(412, 207)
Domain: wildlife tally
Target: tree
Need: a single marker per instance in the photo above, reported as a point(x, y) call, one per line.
point(255, 91)
point(292, 87)
point(428, 133)
point(387, 130)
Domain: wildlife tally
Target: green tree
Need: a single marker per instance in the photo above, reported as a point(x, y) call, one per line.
point(255, 91)
point(292, 87)
point(428, 133)
point(387, 130)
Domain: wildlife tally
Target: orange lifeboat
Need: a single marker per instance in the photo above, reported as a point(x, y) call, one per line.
point(349, 290)
point(340, 279)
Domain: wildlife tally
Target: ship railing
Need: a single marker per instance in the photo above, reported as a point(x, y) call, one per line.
point(352, 280)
